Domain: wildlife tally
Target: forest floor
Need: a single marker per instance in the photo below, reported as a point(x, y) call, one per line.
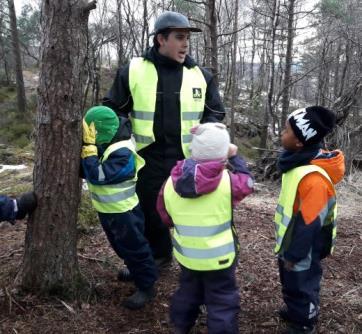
point(257, 275)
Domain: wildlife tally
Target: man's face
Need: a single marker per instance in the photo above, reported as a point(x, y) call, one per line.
point(176, 45)
point(289, 140)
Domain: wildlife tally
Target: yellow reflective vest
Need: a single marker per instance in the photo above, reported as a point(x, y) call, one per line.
point(284, 212)
point(116, 198)
point(203, 236)
point(143, 86)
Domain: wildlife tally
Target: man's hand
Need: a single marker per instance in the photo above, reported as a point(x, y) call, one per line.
point(288, 266)
point(89, 133)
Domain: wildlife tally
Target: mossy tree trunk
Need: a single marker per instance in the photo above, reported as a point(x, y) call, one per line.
point(50, 261)
point(21, 98)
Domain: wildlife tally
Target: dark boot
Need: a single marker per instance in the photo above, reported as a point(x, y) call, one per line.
point(139, 299)
point(299, 329)
point(283, 314)
point(124, 275)
point(176, 330)
point(26, 204)
point(163, 262)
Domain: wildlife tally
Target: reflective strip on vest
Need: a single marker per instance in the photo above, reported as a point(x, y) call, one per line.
point(116, 198)
point(284, 211)
point(201, 231)
point(202, 236)
point(196, 253)
point(143, 80)
point(119, 196)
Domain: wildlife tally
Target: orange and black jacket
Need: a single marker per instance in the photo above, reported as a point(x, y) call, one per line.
point(313, 194)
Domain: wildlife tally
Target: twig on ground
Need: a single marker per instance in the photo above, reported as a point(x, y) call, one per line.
point(331, 270)
point(92, 258)
point(68, 307)
point(351, 250)
point(11, 253)
point(350, 291)
point(12, 300)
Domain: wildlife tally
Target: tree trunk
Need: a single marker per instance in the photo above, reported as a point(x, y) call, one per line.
point(269, 105)
point(50, 262)
point(233, 71)
point(3, 53)
point(288, 64)
point(212, 25)
point(145, 30)
point(21, 98)
point(120, 50)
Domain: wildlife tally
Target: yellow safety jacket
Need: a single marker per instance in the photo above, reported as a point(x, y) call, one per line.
point(203, 236)
point(143, 86)
point(120, 197)
point(284, 212)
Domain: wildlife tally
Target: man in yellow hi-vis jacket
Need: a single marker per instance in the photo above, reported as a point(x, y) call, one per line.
point(165, 93)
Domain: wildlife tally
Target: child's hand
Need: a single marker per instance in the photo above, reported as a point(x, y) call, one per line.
point(194, 129)
point(288, 266)
point(89, 140)
point(233, 150)
point(89, 133)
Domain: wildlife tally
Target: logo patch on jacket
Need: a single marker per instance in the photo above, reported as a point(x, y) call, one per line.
point(196, 93)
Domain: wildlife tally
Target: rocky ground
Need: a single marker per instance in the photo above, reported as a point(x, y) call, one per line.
point(100, 311)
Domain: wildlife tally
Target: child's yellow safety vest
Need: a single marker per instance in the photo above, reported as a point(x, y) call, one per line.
point(203, 238)
point(284, 211)
point(120, 197)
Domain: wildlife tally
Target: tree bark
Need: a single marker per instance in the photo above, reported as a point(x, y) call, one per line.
point(145, 30)
point(120, 49)
point(288, 64)
point(3, 53)
point(233, 71)
point(21, 98)
point(212, 26)
point(269, 105)
point(50, 262)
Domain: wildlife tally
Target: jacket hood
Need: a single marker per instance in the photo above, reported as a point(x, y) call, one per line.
point(332, 162)
point(191, 178)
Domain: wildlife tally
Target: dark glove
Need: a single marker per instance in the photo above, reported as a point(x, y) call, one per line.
point(26, 204)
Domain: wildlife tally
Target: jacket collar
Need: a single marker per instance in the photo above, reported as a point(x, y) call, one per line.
point(289, 160)
point(155, 57)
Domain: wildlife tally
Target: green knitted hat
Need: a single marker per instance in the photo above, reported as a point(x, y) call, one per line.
point(105, 121)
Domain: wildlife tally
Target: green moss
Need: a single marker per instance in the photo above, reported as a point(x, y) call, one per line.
point(16, 129)
point(87, 215)
point(7, 93)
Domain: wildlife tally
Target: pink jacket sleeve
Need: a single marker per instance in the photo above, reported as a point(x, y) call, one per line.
point(161, 208)
point(242, 183)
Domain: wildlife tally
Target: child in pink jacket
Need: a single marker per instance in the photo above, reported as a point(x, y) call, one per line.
point(197, 200)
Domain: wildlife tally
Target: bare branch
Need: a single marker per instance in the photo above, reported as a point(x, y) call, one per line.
point(233, 32)
point(89, 6)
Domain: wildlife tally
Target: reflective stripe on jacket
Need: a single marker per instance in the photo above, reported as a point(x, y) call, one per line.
point(143, 86)
point(202, 237)
point(284, 212)
point(120, 197)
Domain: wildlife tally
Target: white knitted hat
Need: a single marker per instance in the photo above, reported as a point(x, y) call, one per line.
point(210, 141)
